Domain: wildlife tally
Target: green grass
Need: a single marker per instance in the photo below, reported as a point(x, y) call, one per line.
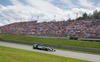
point(17, 55)
point(53, 41)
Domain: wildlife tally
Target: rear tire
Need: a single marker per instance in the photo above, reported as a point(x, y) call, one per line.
point(34, 47)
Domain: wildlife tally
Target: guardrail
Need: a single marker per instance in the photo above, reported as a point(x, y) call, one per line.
point(90, 39)
point(58, 46)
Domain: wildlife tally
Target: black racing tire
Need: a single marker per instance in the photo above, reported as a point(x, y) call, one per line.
point(34, 47)
point(46, 49)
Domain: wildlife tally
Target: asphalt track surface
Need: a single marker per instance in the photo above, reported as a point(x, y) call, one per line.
point(76, 55)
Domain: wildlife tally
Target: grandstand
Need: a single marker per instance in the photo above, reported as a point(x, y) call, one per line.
point(75, 28)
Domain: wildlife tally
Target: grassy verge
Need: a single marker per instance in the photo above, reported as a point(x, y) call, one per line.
point(78, 43)
point(70, 50)
point(17, 55)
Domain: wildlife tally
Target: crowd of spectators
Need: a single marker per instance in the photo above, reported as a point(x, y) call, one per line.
point(75, 28)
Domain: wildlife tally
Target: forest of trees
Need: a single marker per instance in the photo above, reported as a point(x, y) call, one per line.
point(95, 15)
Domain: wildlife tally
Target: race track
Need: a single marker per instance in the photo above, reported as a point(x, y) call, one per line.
point(76, 55)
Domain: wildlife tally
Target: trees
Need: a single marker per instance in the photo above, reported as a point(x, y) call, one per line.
point(84, 16)
point(95, 15)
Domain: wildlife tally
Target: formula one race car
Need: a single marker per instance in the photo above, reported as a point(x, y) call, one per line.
point(42, 47)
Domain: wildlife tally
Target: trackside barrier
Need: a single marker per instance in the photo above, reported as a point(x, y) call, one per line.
point(58, 46)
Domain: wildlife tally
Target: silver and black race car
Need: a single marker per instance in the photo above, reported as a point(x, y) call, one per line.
point(42, 47)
